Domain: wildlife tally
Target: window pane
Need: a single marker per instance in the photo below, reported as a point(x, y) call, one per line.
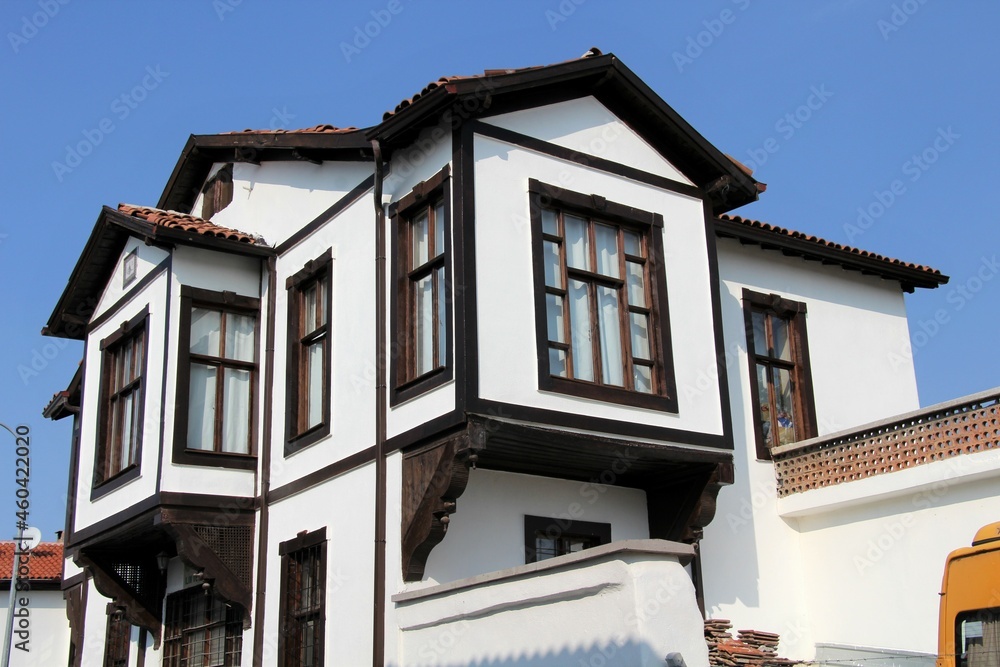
point(556, 323)
point(779, 334)
point(550, 257)
point(314, 384)
point(126, 356)
point(439, 229)
point(420, 241)
point(786, 410)
point(205, 328)
point(640, 336)
point(759, 334)
point(201, 409)
point(442, 315)
point(322, 288)
point(642, 376)
point(545, 548)
point(557, 362)
point(236, 411)
point(126, 437)
point(633, 243)
point(310, 300)
point(763, 392)
point(636, 284)
point(550, 222)
point(612, 370)
point(579, 317)
point(423, 323)
point(577, 243)
point(239, 337)
point(606, 239)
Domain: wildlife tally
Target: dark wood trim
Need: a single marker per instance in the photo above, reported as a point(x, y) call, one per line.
point(440, 425)
point(75, 596)
point(803, 397)
point(191, 296)
point(217, 503)
point(76, 579)
point(140, 660)
point(320, 270)
point(599, 531)
point(303, 540)
point(650, 225)
point(89, 533)
point(286, 549)
point(170, 354)
point(466, 317)
point(584, 159)
point(487, 407)
point(325, 473)
point(326, 216)
point(721, 366)
point(423, 194)
point(128, 296)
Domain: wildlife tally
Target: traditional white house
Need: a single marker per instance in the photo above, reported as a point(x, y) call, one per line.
point(516, 312)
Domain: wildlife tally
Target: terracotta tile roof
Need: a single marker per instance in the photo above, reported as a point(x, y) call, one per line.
point(184, 222)
point(757, 224)
point(445, 80)
point(315, 129)
point(44, 564)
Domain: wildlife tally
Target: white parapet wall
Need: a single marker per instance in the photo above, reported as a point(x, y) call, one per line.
point(626, 603)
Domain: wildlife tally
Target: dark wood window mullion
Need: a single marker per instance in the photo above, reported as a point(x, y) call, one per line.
point(624, 320)
point(564, 279)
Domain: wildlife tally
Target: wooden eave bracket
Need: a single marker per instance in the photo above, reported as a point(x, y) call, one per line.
point(111, 586)
point(433, 479)
point(197, 553)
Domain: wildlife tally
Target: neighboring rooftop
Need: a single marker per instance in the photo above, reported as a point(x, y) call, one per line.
point(315, 129)
point(45, 562)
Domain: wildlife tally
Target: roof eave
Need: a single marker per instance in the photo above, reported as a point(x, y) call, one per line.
point(908, 277)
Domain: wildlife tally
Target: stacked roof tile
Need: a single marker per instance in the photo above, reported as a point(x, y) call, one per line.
point(44, 562)
point(184, 222)
point(753, 648)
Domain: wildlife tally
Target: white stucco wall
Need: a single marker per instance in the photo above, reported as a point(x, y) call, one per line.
point(47, 629)
point(506, 291)
point(147, 258)
point(587, 126)
point(758, 569)
point(486, 532)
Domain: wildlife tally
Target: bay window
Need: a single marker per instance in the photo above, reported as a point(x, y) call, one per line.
point(601, 310)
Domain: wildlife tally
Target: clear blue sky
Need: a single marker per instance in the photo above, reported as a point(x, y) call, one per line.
point(886, 80)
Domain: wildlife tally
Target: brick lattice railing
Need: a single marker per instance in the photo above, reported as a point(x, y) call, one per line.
point(964, 426)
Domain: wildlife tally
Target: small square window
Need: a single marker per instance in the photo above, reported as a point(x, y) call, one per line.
point(129, 268)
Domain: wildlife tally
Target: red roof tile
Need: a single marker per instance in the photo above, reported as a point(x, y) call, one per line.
point(757, 224)
point(45, 561)
point(184, 222)
point(315, 129)
point(445, 80)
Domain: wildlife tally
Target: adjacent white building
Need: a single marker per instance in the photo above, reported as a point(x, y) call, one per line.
point(463, 388)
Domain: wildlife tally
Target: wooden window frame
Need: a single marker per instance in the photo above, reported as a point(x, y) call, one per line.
point(650, 227)
point(598, 531)
point(794, 313)
point(315, 271)
point(217, 192)
point(289, 620)
point(104, 482)
point(192, 297)
point(117, 641)
point(405, 384)
point(175, 632)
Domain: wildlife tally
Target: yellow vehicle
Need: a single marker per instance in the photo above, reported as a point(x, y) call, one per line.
point(969, 633)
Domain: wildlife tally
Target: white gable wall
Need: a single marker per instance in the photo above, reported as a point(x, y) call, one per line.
point(506, 290)
point(147, 258)
point(588, 126)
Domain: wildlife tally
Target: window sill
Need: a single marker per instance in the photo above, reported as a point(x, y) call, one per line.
point(116, 481)
point(420, 385)
point(197, 457)
point(607, 394)
point(306, 438)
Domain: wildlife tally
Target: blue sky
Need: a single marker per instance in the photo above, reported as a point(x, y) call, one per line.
point(873, 123)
